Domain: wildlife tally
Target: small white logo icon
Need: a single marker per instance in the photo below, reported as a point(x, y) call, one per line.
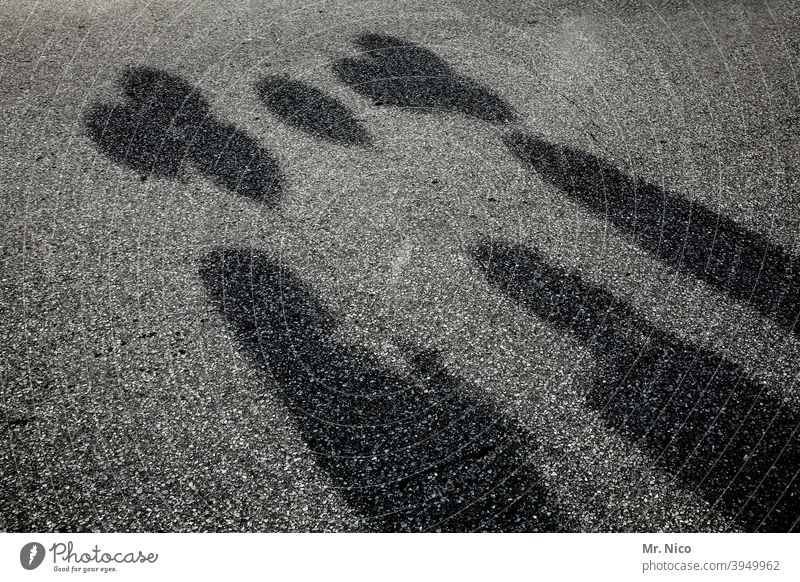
point(31, 555)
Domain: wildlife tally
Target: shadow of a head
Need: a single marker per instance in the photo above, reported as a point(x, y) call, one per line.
point(396, 72)
point(164, 97)
point(409, 450)
point(165, 123)
point(310, 110)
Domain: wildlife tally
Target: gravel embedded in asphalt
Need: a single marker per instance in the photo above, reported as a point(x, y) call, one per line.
point(402, 266)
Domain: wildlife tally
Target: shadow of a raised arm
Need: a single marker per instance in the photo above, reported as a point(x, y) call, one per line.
point(695, 413)
point(683, 234)
point(410, 451)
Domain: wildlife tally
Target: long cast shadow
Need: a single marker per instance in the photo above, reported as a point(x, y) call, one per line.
point(685, 235)
point(408, 452)
point(165, 124)
point(309, 109)
point(400, 73)
point(694, 412)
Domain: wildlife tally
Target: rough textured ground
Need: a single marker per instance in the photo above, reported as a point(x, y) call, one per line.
point(457, 265)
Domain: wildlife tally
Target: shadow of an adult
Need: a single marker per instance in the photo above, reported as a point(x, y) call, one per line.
point(165, 123)
point(683, 234)
point(396, 72)
point(409, 452)
point(309, 109)
point(696, 414)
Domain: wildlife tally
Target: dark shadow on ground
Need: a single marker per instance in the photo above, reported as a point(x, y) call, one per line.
point(165, 124)
point(685, 235)
point(408, 452)
point(395, 72)
point(309, 109)
point(696, 414)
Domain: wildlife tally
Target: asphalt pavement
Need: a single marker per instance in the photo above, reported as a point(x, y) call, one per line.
point(399, 266)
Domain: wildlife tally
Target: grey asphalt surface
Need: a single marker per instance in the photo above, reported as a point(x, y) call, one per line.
point(399, 266)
